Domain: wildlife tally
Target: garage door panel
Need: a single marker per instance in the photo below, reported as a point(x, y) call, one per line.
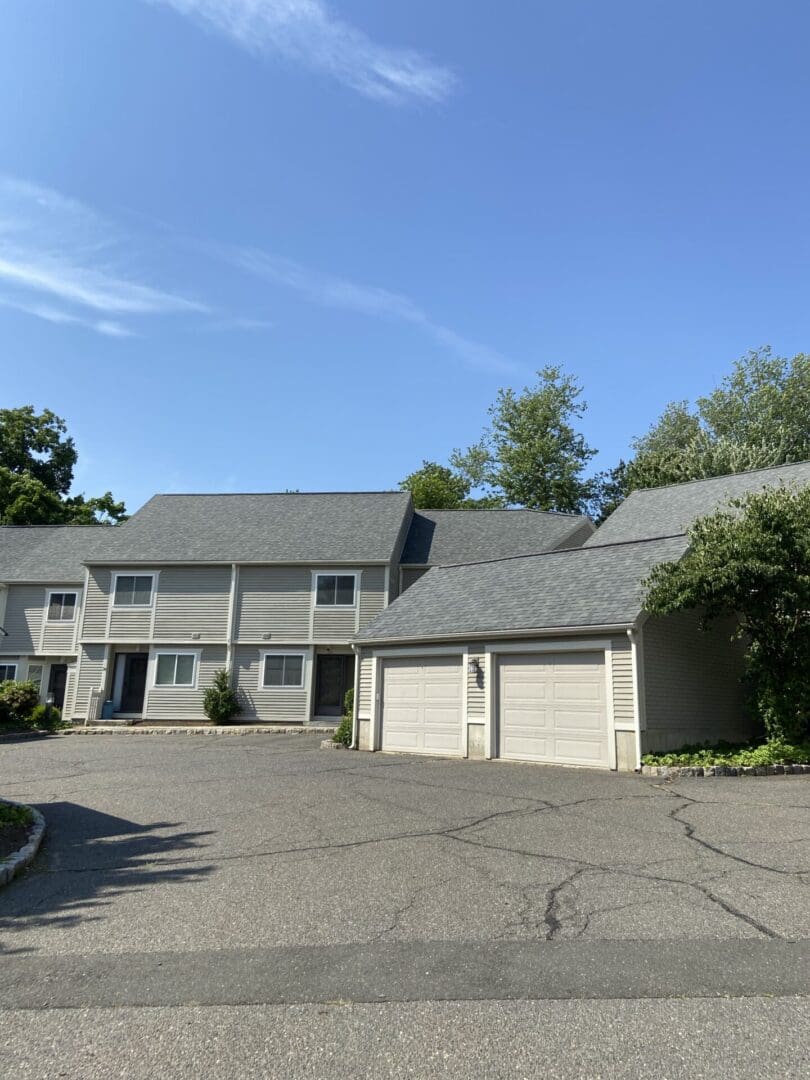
point(552, 707)
point(422, 705)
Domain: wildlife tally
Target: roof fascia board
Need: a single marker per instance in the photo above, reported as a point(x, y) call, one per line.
point(484, 635)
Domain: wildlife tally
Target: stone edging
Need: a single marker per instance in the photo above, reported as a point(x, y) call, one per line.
point(226, 729)
point(674, 772)
point(330, 744)
point(13, 864)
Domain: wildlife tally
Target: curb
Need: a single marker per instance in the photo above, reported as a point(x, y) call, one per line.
point(330, 744)
point(12, 865)
point(236, 729)
point(675, 772)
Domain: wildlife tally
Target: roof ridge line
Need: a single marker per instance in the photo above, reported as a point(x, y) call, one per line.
point(562, 551)
point(722, 476)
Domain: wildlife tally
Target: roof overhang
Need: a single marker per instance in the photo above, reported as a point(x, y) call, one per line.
point(499, 635)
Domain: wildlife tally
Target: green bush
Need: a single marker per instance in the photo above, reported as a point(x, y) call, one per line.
point(46, 718)
point(343, 732)
point(220, 702)
point(748, 755)
point(14, 815)
point(17, 702)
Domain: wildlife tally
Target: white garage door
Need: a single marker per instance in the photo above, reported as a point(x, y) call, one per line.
point(422, 701)
point(552, 707)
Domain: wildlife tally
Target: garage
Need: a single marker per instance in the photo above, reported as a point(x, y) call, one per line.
point(422, 705)
point(552, 707)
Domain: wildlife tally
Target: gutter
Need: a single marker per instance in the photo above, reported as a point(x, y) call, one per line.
point(484, 635)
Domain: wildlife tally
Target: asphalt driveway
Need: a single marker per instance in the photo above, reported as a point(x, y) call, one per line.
point(294, 912)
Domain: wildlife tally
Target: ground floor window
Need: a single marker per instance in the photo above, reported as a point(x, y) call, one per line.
point(283, 669)
point(35, 673)
point(8, 671)
point(175, 669)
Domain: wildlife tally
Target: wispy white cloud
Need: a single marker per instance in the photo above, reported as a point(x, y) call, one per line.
point(307, 32)
point(107, 327)
point(54, 247)
point(327, 290)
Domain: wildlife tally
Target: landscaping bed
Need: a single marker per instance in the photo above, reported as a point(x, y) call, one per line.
point(772, 758)
point(16, 825)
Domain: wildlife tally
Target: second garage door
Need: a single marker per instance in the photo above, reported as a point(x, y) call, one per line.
point(422, 705)
point(552, 707)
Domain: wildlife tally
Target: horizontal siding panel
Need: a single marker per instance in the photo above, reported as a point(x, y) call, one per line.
point(96, 605)
point(58, 637)
point(130, 624)
point(623, 697)
point(271, 706)
point(334, 624)
point(176, 703)
point(476, 689)
point(25, 607)
point(364, 687)
point(192, 600)
point(275, 600)
point(91, 668)
point(372, 594)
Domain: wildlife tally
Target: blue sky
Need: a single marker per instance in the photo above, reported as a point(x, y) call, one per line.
point(268, 244)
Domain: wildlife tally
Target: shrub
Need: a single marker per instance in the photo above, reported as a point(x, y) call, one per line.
point(17, 702)
point(220, 702)
point(15, 815)
point(749, 755)
point(46, 718)
point(343, 732)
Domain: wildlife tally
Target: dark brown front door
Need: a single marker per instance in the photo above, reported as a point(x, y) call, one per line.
point(334, 676)
point(56, 684)
point(134, 684)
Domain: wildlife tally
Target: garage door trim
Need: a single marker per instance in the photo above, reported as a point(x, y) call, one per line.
point(494, 651)
point(403, 653)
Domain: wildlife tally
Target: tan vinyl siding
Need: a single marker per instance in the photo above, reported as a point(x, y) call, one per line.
point(58, 636)
point(179, 703)
point(275, 600)
point(288, 705)
point(131, 623)
point(334, 623)
point(96, 605)
point(192, 600)
point(91, 669)
point(372, 594)
point(623, 698)
point(25, 609)
point(364, 687)
point(692, 683)
point(476, 689)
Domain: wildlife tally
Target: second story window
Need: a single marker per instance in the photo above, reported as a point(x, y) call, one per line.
point(335, 590)
point(62, 607)
point(133, 590)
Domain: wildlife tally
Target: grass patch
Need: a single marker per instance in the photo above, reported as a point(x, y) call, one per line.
point(748, 755)
point(14, 815)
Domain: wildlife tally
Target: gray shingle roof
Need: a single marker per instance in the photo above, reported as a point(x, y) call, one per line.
point(48, 554)
point(583, 587)
point(339, 527)
point(661, 511)
point(439, 537)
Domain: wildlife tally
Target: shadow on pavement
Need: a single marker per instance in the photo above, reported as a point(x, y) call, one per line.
point(87, 859)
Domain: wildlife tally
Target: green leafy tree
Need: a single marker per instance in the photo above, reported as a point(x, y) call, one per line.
point(435, 487)
point(756, 418)
point(37, 459)
point(531, 454)
point(753, 562)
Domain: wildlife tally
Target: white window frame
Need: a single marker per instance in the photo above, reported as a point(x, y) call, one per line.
point(133, 574)
point(195, 653)
point(283, 652)
point(316, 574)
point(61, 592)
point(16, 668)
